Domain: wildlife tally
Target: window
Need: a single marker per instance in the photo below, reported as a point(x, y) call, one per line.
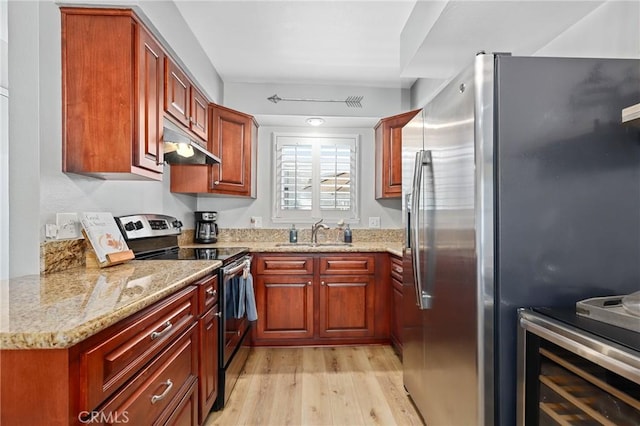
point(315, 177)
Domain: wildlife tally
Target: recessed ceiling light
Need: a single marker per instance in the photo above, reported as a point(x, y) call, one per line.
point(315, 121)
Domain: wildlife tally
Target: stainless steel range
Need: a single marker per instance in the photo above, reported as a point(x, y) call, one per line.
point(155, 237)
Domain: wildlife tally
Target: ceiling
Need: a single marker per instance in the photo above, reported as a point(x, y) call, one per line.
point(373, 43)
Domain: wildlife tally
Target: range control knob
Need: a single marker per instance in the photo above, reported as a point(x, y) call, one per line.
point(138, 225)
point(177, 224)
point(129, 226)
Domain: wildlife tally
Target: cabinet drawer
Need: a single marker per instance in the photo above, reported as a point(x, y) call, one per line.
point(347, 265)
point(159, 387)
point(108, 365)
point(284, 265)
point(207, 293)
point(396, 268)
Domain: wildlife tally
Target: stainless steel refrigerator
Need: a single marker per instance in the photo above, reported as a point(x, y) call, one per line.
point(521, 187)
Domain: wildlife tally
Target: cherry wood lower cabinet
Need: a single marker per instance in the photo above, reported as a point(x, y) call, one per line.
point(396, 305)
point(321, 298)
point(158, 366)
point(208, 327)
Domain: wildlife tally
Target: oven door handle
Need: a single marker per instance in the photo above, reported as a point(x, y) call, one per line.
point(233, 270)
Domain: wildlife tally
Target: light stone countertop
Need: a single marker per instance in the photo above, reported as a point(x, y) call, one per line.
point(60, 309)
point(394, 248)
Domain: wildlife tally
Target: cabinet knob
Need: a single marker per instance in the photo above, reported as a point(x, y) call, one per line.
point(218, 314)
point(322, 283)
point(309, 283)
point(216, 182)
point(212, 292)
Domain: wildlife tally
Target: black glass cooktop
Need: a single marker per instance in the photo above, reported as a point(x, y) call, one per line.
point(224, 254)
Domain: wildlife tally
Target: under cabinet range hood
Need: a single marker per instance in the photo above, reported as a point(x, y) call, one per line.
point(179, 148)
point(631, 115)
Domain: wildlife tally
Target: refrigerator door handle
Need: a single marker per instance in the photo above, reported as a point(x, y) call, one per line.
point(423, 296)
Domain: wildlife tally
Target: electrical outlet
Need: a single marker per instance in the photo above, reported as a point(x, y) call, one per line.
point(256, 221)
point(50, 230)
point(374, 222)
point(68, 226)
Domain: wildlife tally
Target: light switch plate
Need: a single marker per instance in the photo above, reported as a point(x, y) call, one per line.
point(374, 222)
point(68, 226)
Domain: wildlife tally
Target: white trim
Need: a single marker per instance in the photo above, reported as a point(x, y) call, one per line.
point(352, 216)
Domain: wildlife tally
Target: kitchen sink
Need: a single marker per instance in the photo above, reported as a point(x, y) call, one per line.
point(314, 244)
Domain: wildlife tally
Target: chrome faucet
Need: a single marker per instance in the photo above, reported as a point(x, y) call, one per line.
point(314, 230)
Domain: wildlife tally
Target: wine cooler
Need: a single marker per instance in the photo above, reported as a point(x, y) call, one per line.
point(576, 371)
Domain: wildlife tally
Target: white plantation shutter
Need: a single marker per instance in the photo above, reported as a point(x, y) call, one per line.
point(295, 177)
point(315, 177)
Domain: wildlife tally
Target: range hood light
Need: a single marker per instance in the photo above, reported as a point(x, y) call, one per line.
point(179, 148)
point(185, 150)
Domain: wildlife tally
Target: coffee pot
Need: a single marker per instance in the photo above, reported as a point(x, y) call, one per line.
point(206, 227)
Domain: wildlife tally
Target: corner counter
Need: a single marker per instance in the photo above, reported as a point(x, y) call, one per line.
point(59, 310)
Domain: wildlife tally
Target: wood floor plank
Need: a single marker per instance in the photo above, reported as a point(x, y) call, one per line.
point(316, 407)
point(341, 386)
point(373, 405)
point(344, 406)
point(288, 387)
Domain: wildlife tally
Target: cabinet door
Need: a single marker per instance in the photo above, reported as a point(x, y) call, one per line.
point(285, 306)
point(177, 95)
point(396, 315)
point(150, 85)
point(199, 118)
point(208, 373)
point(346, 306)
point(388, 134)
point(232, 142)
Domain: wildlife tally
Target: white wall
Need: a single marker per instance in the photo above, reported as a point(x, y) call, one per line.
point(237, 212)
point(4, 143)
point(37, 187)
point(252, 98)
point(610, 31)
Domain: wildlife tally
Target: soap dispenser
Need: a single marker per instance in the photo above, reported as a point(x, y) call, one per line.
point(347, 234)
point(293, 234)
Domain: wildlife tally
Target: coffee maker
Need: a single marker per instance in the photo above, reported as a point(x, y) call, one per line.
point(206, 227)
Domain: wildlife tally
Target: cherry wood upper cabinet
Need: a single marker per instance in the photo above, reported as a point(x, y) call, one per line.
point(184, 102)
point(234, 141)
point(233, 138)
point(177, 93)
point(112, 89)
point(388, 155)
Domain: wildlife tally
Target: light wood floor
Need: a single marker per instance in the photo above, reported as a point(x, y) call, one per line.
point(359, 385)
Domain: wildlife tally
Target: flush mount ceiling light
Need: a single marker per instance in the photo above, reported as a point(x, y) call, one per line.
point(315, 121)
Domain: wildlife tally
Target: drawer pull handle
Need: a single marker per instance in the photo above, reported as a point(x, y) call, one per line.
point(397, 269)
point(212, 292)
point(167, 327)
point(156, 398)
